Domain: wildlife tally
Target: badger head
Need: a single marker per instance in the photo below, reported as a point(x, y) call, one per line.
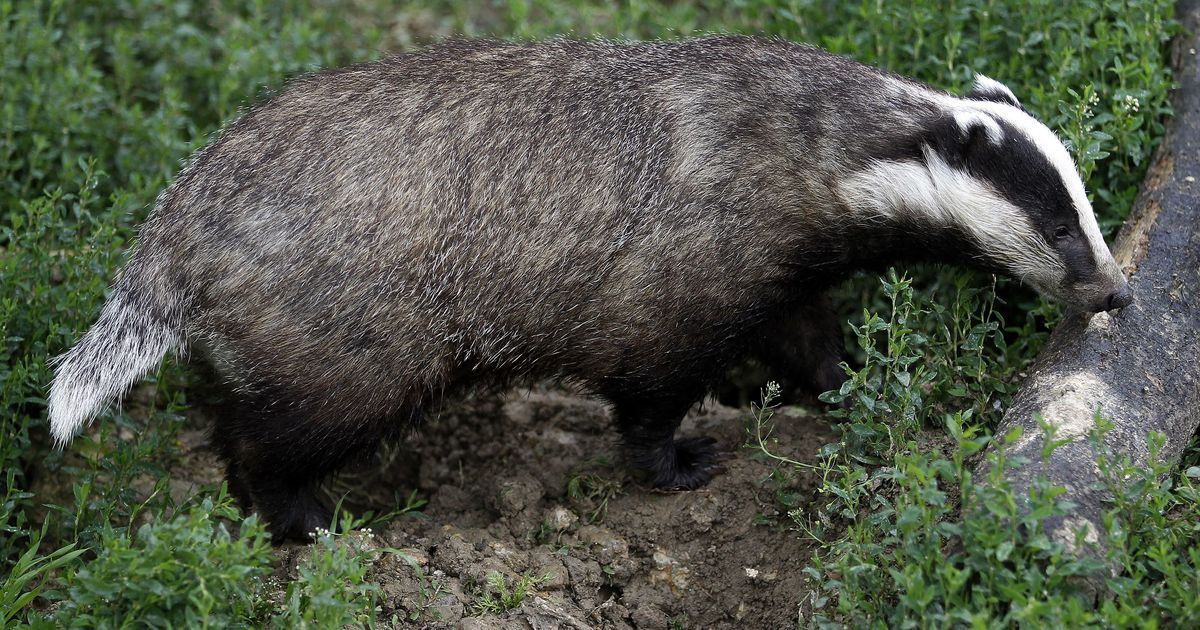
point(987, 170)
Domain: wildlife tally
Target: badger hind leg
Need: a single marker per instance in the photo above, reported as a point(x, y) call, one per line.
point(276, 456)
point(648, 425)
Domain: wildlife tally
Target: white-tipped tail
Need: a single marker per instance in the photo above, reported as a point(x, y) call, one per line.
point(125, 344)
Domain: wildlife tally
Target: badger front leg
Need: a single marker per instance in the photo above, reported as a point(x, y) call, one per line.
point(647, 425)
point(805, 349)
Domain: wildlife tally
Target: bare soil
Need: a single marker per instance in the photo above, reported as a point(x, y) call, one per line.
point(498, 472)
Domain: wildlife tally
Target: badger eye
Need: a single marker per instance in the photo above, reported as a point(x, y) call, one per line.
point(1062, 233)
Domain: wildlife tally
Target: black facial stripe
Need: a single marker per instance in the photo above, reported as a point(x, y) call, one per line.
point(1024, 176)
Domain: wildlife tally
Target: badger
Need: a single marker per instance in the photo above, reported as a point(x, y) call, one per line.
point(632, 217)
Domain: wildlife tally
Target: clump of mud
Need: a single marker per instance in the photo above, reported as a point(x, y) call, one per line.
point(526, 493)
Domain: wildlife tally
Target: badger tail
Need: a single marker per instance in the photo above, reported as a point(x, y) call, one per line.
point(128, 340)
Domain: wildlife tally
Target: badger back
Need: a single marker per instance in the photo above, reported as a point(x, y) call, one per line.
point(485, 207)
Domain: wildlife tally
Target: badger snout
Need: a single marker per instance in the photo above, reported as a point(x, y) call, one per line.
point(1105, 295)
point(1110, 300)
point(1118, 299)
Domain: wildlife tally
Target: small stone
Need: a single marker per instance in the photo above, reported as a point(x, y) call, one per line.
point(560, 518)
point(448, 609)
point(455, 554)
point(607, 545)
point(502, 552)
point(517, 493)
point(650, 617)
point(478, 573)
point(550, 566)
point(585, 577)
point(705, 512)
point(669, 571)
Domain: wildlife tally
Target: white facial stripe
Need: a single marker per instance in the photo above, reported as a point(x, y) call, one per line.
point(1056, 153)
point(946, 196)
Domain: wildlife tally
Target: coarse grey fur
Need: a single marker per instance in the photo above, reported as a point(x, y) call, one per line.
point(632, 216)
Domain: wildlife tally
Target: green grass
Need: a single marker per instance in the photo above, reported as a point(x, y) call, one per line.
point(100, 103)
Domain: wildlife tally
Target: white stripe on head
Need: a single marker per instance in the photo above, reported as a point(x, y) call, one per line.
point(944, 196)
point(1052, 147)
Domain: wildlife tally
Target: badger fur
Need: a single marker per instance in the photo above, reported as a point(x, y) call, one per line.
point(630, 216)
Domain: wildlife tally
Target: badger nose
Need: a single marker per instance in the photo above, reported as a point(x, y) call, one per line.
point(1119, 299)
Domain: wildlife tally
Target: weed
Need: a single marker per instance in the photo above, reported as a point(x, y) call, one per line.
point(909, 538)
point(331, 589)
point(917, 557)
point(591, 493)
point(431, 590)
point(28, 575)
point(920, 358)
point(498, 596)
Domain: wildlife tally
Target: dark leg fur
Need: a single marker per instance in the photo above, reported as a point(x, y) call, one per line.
point(806, 351)
point(276, 460)
point(648, 426)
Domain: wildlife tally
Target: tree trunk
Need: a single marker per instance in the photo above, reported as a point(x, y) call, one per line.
point(1139, 367)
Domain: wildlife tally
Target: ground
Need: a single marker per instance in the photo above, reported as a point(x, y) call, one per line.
point(529, 483)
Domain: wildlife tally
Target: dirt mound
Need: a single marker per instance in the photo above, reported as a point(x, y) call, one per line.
point(526, 494)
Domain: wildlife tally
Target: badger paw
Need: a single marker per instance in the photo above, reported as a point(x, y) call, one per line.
point(293, 517)
point(684, 464)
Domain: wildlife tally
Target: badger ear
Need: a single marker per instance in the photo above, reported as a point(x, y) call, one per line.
point(956, 137)
point(963, 132)
point(987, 89)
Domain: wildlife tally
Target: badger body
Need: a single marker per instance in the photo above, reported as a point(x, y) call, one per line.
point(630, 216)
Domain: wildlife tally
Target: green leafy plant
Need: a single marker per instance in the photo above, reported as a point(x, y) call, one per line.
point(591, 492)
point(909, 538)
point(331, 589)
point(920, 359)
point(28, 576)
point(430, 590)
point(185, 571)
point(885, 394)
point(941, 548)
point(497, 594)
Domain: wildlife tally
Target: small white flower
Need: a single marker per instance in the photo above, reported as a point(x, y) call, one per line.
point(1130, 103)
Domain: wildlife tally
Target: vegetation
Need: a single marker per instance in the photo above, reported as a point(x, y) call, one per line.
point(909, 538)
point(187, 570)
point(100, 102)
point(498, 595)
point(590, 493)
point(331, 589)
